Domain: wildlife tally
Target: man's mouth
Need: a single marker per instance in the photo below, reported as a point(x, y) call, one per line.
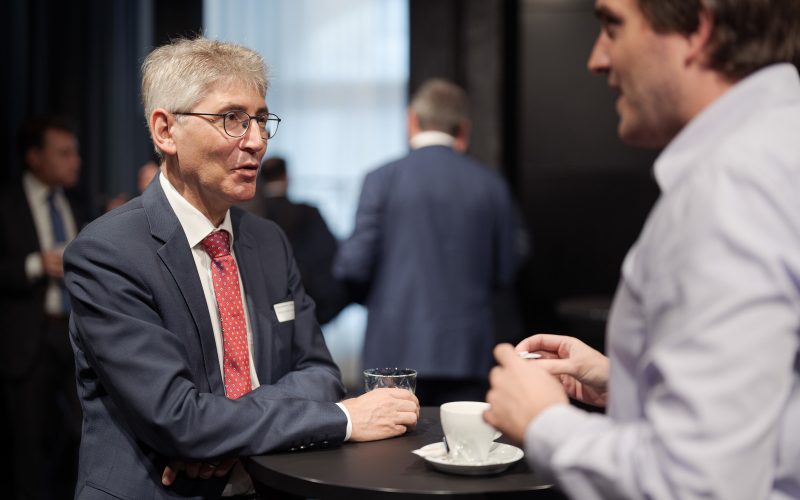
point(248, 167)
point(618, 91)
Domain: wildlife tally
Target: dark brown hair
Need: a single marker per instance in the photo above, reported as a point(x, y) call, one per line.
point(747, 34)
point(273, 169)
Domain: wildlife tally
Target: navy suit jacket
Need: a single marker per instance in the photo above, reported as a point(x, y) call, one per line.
point(148, 376)
point(434, 237)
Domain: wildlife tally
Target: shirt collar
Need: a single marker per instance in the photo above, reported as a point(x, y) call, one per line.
point(764, 89)
point(195, 225)
point(35, 188)
point(431, 138)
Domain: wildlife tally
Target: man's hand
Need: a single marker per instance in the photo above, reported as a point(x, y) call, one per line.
point(582, 370)
point(194, 470)
point(382, 413)
point(53, 263)
point(520, 390)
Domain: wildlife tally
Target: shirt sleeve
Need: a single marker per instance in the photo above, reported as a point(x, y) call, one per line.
point(34, 269)
point(349, 422)
point(710, 321)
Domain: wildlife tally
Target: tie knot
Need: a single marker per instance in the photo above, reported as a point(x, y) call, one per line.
point(217, 244)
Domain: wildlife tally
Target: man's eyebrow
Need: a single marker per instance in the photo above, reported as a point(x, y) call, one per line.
point(605, 15)
point(234, 106)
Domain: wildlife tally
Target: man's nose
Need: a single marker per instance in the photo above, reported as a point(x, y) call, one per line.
point(252, 138)
point(599, 62)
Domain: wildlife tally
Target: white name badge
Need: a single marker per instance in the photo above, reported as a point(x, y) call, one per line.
point(284, 311)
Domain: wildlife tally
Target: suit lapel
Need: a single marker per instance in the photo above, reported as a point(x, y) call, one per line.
point(253, 281)
point(177, 257)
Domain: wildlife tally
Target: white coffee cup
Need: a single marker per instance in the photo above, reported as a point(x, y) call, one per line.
point(469, 437)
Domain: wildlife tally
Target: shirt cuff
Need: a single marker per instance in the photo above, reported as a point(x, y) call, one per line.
point(548, 431)
point(34, 269)
point(349, 431)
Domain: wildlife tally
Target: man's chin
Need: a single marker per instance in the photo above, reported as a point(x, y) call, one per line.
point(641, 137)
point(243, 195)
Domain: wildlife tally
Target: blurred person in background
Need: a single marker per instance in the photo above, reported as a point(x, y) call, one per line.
point(144, 175)
point(37, 221)
point(313, 244)
point(434, 239)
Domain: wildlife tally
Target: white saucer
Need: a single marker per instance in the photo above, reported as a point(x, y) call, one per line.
point(501, 457)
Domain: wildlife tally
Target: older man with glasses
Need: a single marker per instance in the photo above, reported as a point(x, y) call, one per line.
point(195, 341)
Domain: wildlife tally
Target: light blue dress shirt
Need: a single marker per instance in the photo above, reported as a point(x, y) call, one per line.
point(704, 333)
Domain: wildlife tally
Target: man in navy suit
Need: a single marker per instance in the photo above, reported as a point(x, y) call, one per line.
point(433, 239)
point(195, 341)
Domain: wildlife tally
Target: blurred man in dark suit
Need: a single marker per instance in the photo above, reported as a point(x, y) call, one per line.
point(433, 240)
point(36, 363)
point(313, 243)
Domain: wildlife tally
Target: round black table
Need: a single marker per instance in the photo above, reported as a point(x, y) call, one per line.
point(388, 470)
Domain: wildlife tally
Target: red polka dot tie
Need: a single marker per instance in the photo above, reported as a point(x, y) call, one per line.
point(235, 352)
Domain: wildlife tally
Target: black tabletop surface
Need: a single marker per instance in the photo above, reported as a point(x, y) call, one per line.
point(388, 469)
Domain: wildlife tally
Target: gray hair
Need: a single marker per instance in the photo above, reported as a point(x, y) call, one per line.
point(178, 75)
point(440, 105)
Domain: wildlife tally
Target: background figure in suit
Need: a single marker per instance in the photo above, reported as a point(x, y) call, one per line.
point(194, 339)
point(36, 363)
point(313, 244)
point(434, 235)
point(144, 175)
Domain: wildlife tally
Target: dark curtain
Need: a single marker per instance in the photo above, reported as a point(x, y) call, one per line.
point(81, 59)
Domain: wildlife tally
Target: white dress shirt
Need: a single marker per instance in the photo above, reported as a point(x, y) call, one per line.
point(196, 226)
point(37, 192)
point(704, 333)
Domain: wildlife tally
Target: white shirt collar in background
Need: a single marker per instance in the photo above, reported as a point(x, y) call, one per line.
point(431, 138)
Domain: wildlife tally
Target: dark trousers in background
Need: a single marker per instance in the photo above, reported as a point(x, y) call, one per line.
point(437, 391)
point(43, 419)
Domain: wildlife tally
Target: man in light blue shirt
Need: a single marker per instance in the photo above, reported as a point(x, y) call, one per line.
point(702, 382)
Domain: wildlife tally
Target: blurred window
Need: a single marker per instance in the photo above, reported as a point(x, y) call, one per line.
point(338, 80)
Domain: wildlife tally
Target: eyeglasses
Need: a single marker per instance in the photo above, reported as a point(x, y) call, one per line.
point(237, 122)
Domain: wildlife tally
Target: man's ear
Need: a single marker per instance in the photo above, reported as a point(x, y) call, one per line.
point(700, 40)
point(413, 124)
point(33, 158)
point(161, 123)
point(461, 143)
